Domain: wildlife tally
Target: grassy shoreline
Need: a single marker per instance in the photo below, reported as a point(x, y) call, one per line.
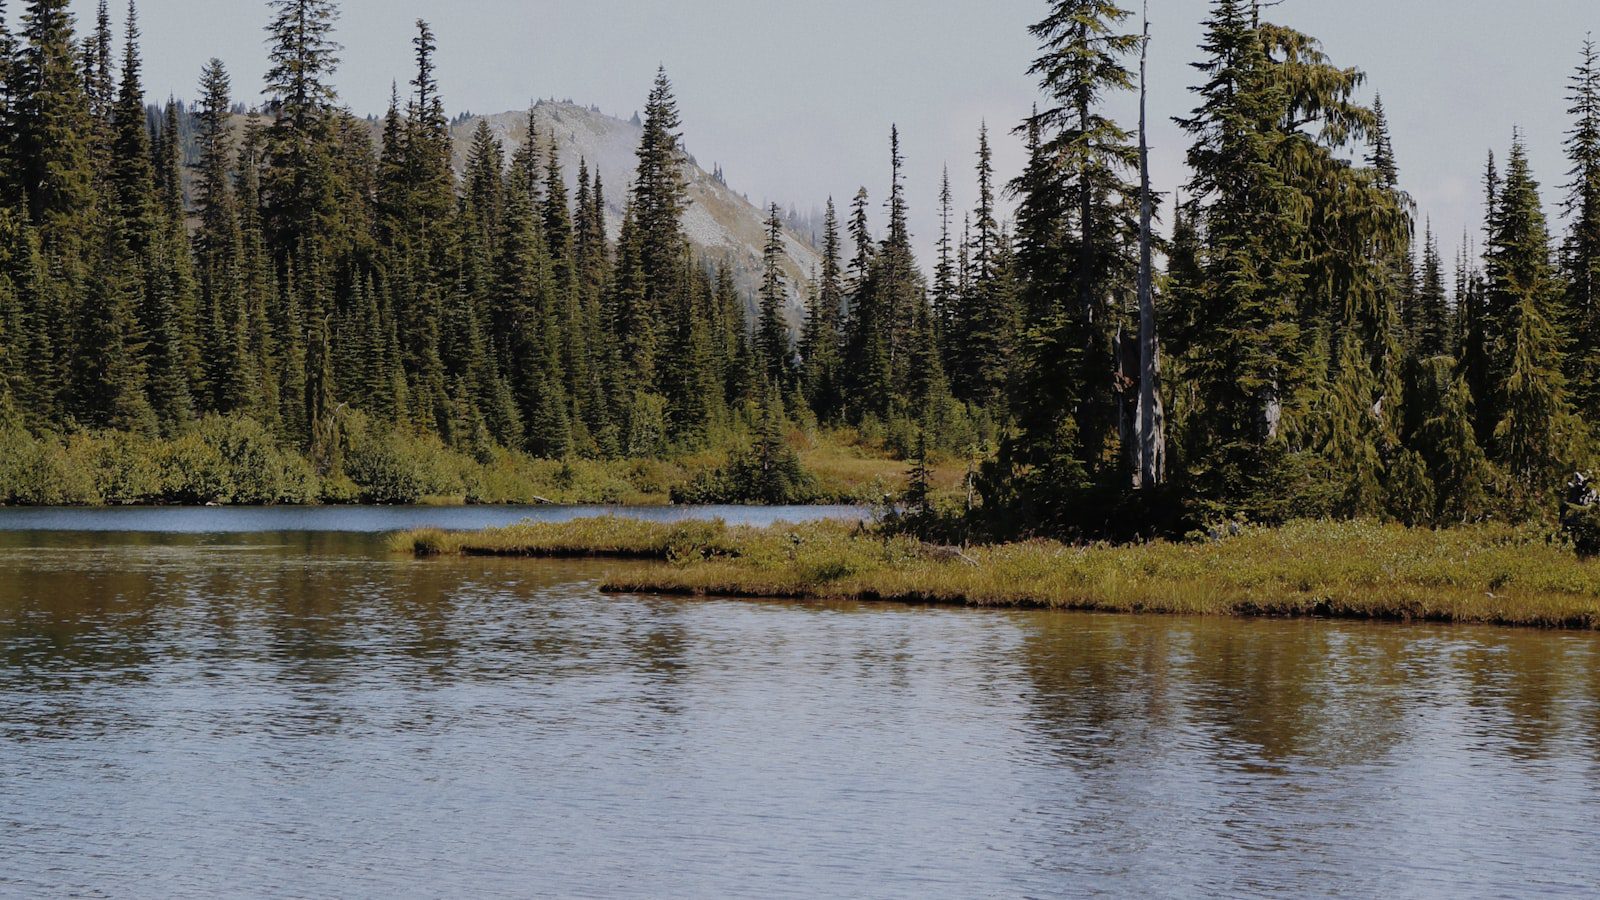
point(235, 461)
point(1489, 574)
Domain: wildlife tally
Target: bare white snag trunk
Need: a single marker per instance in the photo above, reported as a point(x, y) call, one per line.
point(1151, 422)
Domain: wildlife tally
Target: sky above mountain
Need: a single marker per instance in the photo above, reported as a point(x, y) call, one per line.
point(795, 100)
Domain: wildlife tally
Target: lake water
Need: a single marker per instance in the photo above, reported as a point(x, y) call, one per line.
point(293, 712)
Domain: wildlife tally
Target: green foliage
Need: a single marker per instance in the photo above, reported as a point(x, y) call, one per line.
point(310, 314)
point(1412, 499)
point(769, 472)
point(36, 472)
point(396, 468)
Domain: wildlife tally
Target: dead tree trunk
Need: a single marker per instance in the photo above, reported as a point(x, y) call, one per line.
point(1151, 423)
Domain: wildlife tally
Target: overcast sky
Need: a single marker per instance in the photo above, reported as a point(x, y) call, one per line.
point(795, 99)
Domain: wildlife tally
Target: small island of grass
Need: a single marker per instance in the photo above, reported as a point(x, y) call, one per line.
point(1486, 574)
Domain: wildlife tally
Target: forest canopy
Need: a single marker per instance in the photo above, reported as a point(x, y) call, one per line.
point(288, 284)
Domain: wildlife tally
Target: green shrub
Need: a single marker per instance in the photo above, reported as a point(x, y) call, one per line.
point(125, 466)
point(693, 540)
point(768, 473)
point(37, 472)
point(254, 470)
point(396, 468)
point(192, 471)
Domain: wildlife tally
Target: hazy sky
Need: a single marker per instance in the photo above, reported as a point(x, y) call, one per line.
point(795, 99)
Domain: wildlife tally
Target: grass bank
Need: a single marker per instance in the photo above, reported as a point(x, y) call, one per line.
point(605, 536)
point(1490, 574)
point(237, 461)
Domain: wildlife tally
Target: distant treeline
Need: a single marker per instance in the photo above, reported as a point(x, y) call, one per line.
point(336, 293)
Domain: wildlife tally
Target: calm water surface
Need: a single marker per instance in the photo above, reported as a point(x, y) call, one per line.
point(299, 714)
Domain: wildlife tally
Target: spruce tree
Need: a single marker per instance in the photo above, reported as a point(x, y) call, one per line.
point(1075, 258)
point(54, 132)
point(1083, 61)
point(659, 197)
point(1431, 323)
point(1533, 436)
point(987, 318)
point(1281, 291)
point(822, 338)
point(110, 377)
point(772, 330)
point(1521, 305)
point(99, 82)
point(1580, 255)
point(298, 193)
point(944, 298)
point(133, 175)
point(1458, 470)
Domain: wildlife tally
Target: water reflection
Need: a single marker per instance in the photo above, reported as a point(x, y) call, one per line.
point(305, 714)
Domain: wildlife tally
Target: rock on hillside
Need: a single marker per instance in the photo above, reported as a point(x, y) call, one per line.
point(720, 223)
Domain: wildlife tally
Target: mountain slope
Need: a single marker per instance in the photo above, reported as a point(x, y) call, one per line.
point(719, 222)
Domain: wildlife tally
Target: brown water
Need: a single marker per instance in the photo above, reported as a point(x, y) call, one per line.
point(303, 715)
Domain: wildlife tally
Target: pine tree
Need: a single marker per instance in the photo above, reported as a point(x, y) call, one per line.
point(822, 339)
point(987, 318)
point(772, 331)
point(1076, 256)
point(1522, 300)
point(944, 297)
point(1431, 324)
point(1581, 253)
point(298, 192)
point(54, 131)
point(659, 197)
point(1447, 440)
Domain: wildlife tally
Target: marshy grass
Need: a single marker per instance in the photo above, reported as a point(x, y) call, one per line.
point(603, 536)
point(1489, 574)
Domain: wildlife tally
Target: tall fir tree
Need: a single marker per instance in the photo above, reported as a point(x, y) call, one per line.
point(298, 193)
point(772, 329)
point(1580, 256)
point(822, 338)
point(1526, 401)
point(54, 132)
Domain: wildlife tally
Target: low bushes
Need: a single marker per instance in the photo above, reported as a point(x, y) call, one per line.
point(769, 473)
point(218, 460)
point(237, 460)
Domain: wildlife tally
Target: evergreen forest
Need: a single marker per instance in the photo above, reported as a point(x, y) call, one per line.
point(264, 297)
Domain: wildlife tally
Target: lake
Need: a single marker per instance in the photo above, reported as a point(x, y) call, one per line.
point(197, 703)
